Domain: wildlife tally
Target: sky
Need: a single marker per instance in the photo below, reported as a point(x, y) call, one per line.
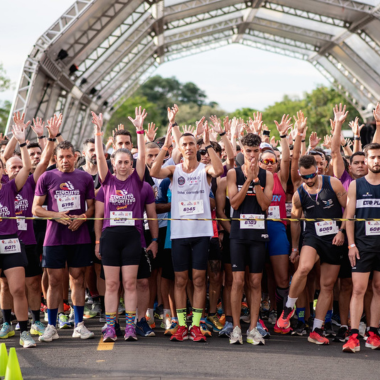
point(234, 76)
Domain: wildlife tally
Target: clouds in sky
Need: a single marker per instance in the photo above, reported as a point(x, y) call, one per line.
point(235, 76)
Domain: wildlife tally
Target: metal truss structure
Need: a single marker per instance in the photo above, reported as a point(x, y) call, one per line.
point(98, 53)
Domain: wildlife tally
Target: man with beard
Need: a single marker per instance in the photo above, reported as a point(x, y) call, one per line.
point(363, 242)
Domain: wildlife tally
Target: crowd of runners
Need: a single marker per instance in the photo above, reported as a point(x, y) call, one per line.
point(191, 230)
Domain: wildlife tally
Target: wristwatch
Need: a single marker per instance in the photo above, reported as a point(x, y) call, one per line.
point(256, 182)
point(343, 230)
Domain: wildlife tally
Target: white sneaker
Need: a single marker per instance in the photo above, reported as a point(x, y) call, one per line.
point(82, 332)
point(49, 334)
point(245, 318)
point(254, 337)
point(166, 323)
point(236, 336)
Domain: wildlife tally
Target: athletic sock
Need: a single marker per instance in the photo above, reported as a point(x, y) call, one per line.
point(229, 318)
point(290, 302)
point(35, 316)
point(281, 294)
point(110, 319)
point(300, 311)
point(130, 317)
point(66, 302)
point(78, 314)
point(374, 330)
point(23, 326)
point(52, 316)
point(197, 315)
point(209, 314)
point(7, 315)
point(317, 323)
point(175, 319)
point(354, 331)
point(328, 316)
point(181, 314)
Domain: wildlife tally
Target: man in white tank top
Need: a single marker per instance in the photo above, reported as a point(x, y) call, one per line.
point(190, 182)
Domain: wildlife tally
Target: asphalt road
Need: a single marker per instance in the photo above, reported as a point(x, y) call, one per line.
point(283, 357)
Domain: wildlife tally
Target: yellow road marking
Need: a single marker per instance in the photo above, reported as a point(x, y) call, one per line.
point(102, 346)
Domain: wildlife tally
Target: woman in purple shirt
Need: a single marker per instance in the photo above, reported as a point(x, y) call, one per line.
point(120, 244)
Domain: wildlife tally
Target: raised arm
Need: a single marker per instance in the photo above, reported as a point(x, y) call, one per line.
point(100, 158)
point(216, 167)
point(227, 144)
point(138, 122)
point(300, 124)
point(157, 171)
point(376, 115)
point(340, 115)
point(356, 128)
point(172, 112)
point(38, 129)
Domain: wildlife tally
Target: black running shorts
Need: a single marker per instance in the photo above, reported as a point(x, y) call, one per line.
point(247, 253)
point(368, 262)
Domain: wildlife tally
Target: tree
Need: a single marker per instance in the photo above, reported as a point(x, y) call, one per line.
point(5, 108)
point(5, 82)
point(190, 113)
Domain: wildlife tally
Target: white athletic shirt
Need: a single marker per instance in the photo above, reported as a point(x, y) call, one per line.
point(190, 200)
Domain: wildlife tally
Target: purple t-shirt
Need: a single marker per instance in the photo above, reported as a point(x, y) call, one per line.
point(7, 208)
point(144, 195)
point(23, 207)
point(4, 178)
point(346, 180)
point(66, 192)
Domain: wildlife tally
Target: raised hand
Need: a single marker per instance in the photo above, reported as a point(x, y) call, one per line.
point(285, 124)
point(97, 121)
point(168, 138)
point(171, 113)
point(53, 125)
point(234, 123)
point(151, 132)
point(206, 134)
point(252, 169)
point(227, 124)
point(200, 126)
point(217, 124)
point(138, 122)
point(38, 126)
point(340, 113)
point(327, 142)
point(356, 128)
point(257, 123)
point(314, 140)
point(18, 133)
point(188, 129)
point(19, 120)
point(273, 142)
point(348, 142)
point(300, 121)
point(376, 113)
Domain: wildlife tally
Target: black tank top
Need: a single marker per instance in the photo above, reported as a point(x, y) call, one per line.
point(367, 234)
point(249, 206)
point(326, 205)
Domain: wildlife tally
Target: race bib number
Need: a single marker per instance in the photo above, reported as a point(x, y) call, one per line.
point(288, 207)
point(21, 225)
point(121, 218)
point(252, 224)
point(274, 212)
point(326, 228)
point(372, 228)
point(187, 208)
point(8, 246)
point(68, 203)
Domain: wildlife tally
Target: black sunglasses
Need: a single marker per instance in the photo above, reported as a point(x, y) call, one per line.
point(202, 152)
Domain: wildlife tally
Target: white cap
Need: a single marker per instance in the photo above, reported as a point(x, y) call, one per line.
point(265, 146)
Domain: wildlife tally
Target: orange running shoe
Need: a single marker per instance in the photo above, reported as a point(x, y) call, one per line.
point(284, 320)
point(352, 345)
point(196, 334)
point(222, 319)
point(279, 330)
point(317, 337)
point(373, 341)
point(181, 334)
point(66, 307)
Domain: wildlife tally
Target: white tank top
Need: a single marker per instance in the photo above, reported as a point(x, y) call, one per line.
point(190, 200)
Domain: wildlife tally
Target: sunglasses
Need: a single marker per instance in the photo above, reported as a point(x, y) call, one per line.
point(268, 161)
point(308, 176)
point(314, 152)
point(202, 152)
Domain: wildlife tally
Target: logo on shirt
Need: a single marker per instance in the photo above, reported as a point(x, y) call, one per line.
point(328, 204)
point(122, 198)
point(21, 204)
point(121, 193)
point(66, 186)
point(276, 198)
point(367, 194)
point(4, 211)
point(181, 181)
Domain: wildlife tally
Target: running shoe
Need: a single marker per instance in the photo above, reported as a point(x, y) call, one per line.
point(159, 312)
point(181, 334)
point(264, 307)
point(151, 322)
point(109, 334)
point(236, 336)
point(244, 309)
point(264, 333)
point(89, 313)
point(196, 334)
point(17, 328)
point(213, 323)
point(172, 329)
point(255, 337)
point(366, 335)
point(222, 318)
point(317, 337)
point(166, 322)
point(219, 308)
point(96, 308)
point(328, 330)
point(37, 328)
point(342, 335)
point(121, 308)
point(102, 318)
point(189, 315)
point(204, 329)
point(245, 318)
point(63, 321)
point(300, 330)
point(226, 331)
point(46, 318)
point(72, 317)
point(43, 308)
point(279, 330)
point(118, 329)
point(26, 340)
point(373, 341)
point(352, 345)
point(82, 332)
point(130, 333)
point(284, 320)
point(143, 329)
point(89, 300)
point(6, 331)
point(335, 320)
point(272, 318)
point(49, 334)
point(66, 307)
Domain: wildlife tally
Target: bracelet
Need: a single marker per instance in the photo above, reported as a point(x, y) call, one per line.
point(352, 246)
point(283, 136)
point(174, 124)
point(208, 146)
point(356, 138)
point(41, 137)
point(165, 148)
point(155, 239)
point(343, 146)
point(294, 249)
point(59, 134)
point(222, 134)
point(140, 132)
point(50, 139)
point(23, 144)
point(97, 242)
point(99, 134)
point(84, 216)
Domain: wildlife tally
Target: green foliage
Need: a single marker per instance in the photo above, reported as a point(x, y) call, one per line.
point(5, 108)
point(190, 113)
point(5, 82)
